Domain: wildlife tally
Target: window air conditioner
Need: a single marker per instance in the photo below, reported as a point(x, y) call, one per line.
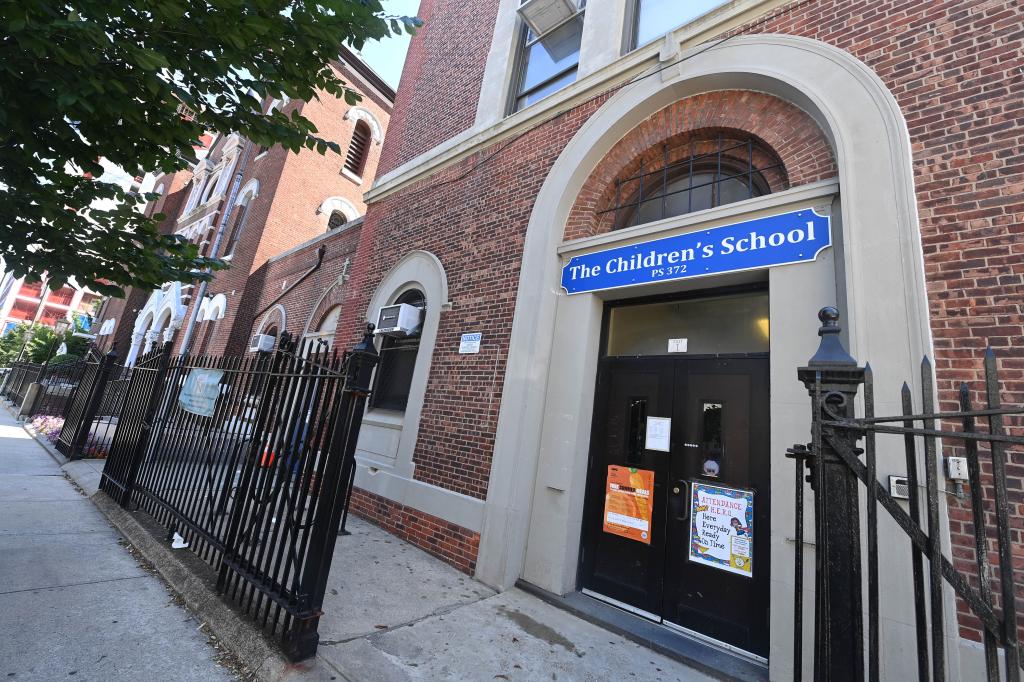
point(543, 15)
point(400, 319)
point(262, 342)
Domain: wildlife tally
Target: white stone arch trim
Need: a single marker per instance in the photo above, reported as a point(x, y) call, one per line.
point(171, 310)
point(213, 308)
point(332, 204)
point(365, 115)
point(278, 315)
point(879, 262)
point(249, 191)
point(144, 320)
point(315, 312)
point(416, 270)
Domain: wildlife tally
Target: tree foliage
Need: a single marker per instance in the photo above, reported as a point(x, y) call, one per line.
point(40, 342)
point(84, 80)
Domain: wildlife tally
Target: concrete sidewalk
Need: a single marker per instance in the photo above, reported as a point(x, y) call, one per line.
point(74, 603)
point(393, 613)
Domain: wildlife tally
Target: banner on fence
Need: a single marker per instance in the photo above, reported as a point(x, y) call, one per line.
point(199, 393)
point(722, 528)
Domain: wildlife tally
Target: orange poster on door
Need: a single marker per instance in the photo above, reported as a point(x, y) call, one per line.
point(628, 503)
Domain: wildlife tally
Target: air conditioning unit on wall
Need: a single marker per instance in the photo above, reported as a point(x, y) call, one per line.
point(543, 15)
point(262, 343)
point(400, 320)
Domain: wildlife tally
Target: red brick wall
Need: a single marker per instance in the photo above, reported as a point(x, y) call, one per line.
point(284, 215)
point(955, 69)
point(280, 277)
point(440, 85)
point(454, 544)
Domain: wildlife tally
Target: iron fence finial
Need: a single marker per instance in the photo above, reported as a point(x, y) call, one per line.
point(830, 349)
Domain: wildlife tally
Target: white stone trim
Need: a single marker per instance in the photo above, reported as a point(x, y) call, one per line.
point(249, 191)
point(451, 506)
point(416, 270)
point(332, 204)
point(276, 314)
point(365, 115)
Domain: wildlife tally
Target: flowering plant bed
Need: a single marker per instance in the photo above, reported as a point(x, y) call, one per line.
point(49, 427)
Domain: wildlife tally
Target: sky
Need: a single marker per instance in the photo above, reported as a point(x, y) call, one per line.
point(386, 57)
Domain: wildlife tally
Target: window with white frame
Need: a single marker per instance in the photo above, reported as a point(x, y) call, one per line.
point(358, 149)
point(393, 377)
point(549, 62)
point(651, 19)
point(211, 187)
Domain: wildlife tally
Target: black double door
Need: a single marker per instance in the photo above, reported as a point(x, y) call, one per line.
point(715, 445)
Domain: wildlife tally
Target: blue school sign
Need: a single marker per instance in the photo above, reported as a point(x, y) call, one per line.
point(794, 237)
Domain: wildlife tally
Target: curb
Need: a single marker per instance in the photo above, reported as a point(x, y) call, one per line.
point(191, 578)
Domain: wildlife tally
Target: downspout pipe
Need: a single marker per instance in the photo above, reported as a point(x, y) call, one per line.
point(186, 340)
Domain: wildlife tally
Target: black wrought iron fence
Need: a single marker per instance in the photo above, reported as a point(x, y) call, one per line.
point(837, 476)
point(78, 436)
point(19, 378)
point(247, 460)
point(58, 384)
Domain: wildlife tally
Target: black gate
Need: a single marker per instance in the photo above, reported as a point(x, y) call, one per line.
point(77, 437)
point(837, 473)
point(247, 460)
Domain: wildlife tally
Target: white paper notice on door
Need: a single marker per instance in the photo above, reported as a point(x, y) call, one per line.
point(659, 431)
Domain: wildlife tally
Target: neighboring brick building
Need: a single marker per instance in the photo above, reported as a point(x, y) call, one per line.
point(254, 204)
point(507, 156)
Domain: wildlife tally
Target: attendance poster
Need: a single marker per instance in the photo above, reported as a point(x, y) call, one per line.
point(722, 528)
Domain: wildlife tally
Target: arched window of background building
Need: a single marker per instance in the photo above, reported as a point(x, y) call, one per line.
point(358, 149)
point(397, 362)
point(242, 206)
point(336, 220)
point(211, 186)
point(323, 338)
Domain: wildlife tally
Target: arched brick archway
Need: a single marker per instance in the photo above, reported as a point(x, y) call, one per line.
point(333, 296)
point(780, 129)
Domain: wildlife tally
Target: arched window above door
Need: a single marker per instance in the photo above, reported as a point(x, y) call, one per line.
point(694, 174)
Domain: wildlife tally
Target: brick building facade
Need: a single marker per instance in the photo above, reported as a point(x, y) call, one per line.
point(901, 120)
point(255, 205)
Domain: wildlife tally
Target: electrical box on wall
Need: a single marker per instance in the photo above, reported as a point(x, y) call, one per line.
point(400, 320)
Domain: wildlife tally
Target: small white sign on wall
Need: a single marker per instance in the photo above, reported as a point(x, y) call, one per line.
point(470, 343)
point(677, 345)
point(659, 432)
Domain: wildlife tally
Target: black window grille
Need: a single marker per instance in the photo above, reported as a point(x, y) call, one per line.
point(397, 363)
point(355, 160)
point(733, 171)
point(336, 220)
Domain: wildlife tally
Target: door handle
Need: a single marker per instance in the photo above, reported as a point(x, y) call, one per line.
point(677, 500)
